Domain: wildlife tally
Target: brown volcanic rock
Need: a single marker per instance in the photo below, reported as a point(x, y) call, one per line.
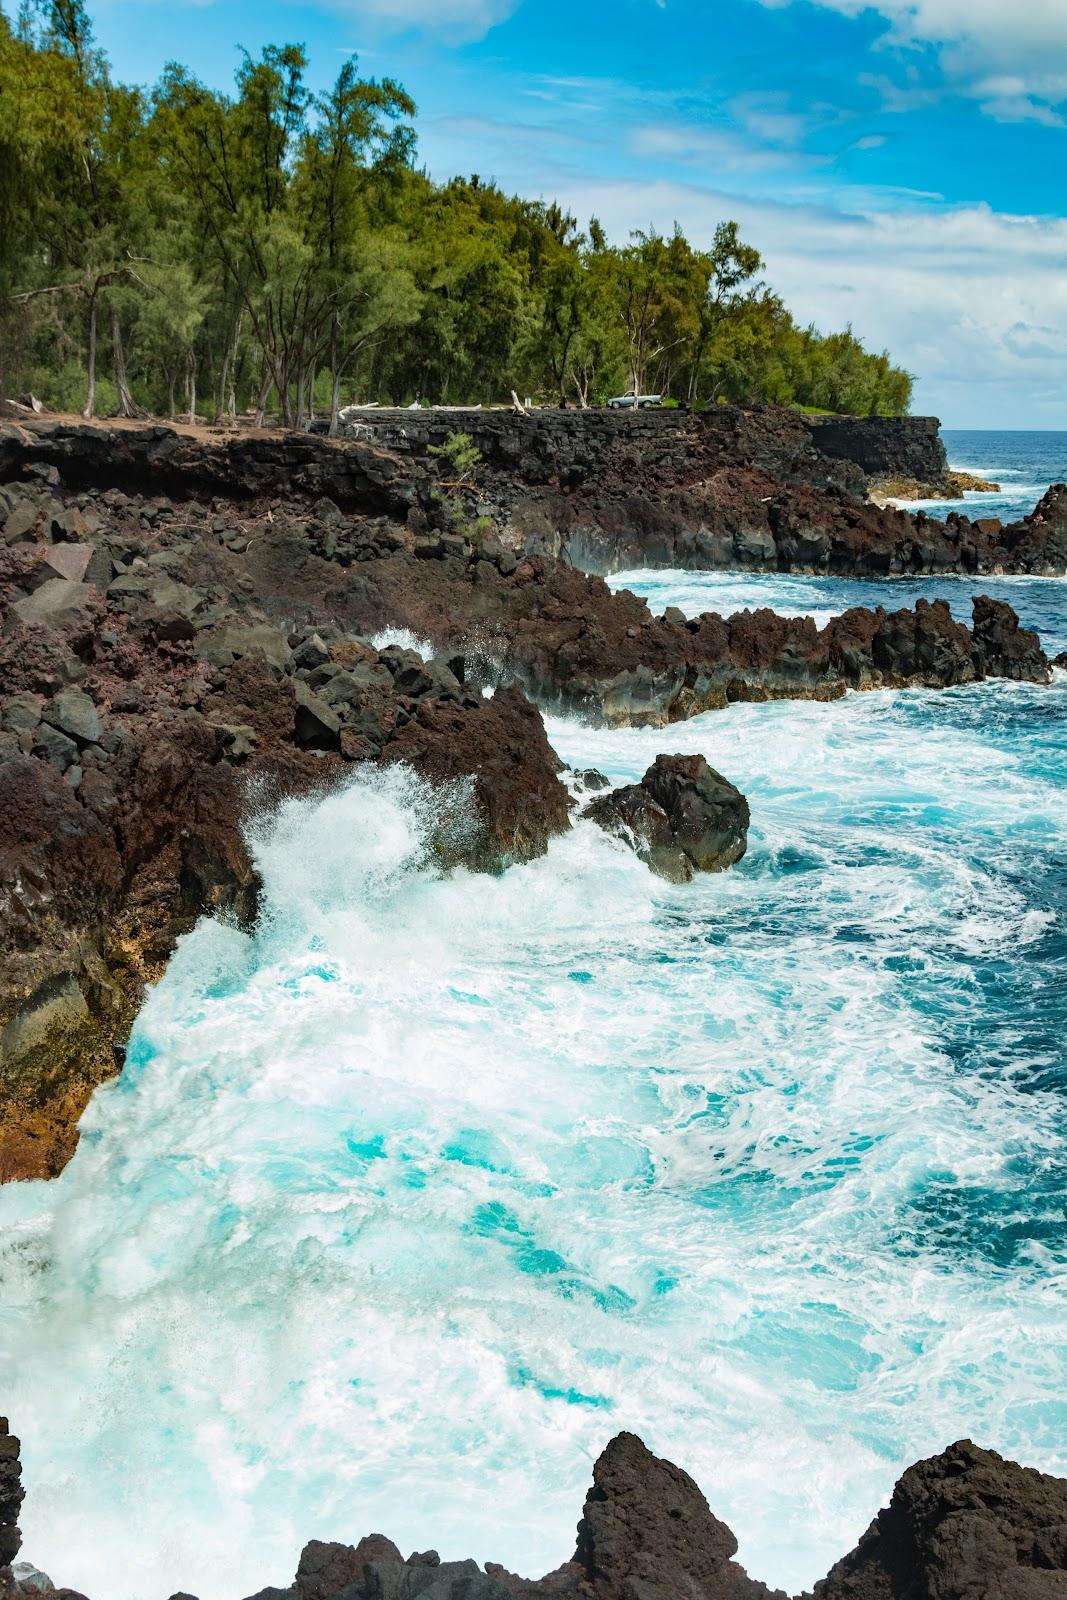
point(216, 656)
point(519, 799)
point(647, 1533)
point(121, 819)
point(966, 1525)
point(683, 817)
point(1003, 649)
point(12, 1495)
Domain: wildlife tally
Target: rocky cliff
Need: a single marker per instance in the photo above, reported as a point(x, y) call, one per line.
point(965, 1525)
point(167, 657)
point(883, 447)
point(734, 489)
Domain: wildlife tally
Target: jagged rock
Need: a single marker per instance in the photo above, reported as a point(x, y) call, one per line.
point(239, 639)
point(325, 1569)
point(313, 652)
point(501, 745)
point(966, 1525)
point(20, 525)
point(647, 1533)
point(450, 1580)
point(22, 712)
point(12, 1495)
point(70, 561)
point(55, 747)
point(1004, 649)
point(683, 817)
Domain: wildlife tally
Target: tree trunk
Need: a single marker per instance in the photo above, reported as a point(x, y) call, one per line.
point(171, 381)
point(190, 384)
point(261, 399)
point(231, 402)
point(335, 378)
point(128, 406)
point(224, 380)
point(90, 391)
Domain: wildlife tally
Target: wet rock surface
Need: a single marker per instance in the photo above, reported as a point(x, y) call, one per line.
point(186, 632)
point(682, 818)
point(965, 1525)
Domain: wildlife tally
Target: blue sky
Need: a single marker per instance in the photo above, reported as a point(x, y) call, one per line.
point(902, 164)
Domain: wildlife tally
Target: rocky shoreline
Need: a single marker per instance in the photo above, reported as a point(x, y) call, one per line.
point(170, 660)
point(964, 1525)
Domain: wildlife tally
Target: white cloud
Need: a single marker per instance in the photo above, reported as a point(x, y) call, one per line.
point(1016, 99)
point(1033, 28)
point(456, 21)
point(1027, 39)
point(709, 148)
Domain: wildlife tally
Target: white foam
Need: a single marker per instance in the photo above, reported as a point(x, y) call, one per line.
point(405, 1205)
point(403, 639)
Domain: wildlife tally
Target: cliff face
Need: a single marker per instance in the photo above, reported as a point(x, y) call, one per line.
point(733, 490)
point(883, 447)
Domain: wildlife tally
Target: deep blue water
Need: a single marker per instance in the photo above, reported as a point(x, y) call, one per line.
point(407, 1202)
point(1024, 464)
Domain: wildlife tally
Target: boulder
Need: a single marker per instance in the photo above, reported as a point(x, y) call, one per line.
point(966, 1525)
point(55, 747)
point(70, 561)
point(1002, 648)
point(73, 713)
point(682, 818)
point(20, 525)
point(22, 712)
point(317, 726)
point(56, 604)
point(325, 1568)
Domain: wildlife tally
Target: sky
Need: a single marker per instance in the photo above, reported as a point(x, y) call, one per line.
point(900, 164)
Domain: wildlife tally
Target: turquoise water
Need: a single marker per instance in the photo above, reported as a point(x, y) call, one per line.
point(407, 1203)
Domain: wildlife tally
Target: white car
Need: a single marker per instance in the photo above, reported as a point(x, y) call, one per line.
point(635, 402)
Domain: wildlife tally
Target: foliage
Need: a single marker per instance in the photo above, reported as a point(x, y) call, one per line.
point(461, 456)
point(274, 251)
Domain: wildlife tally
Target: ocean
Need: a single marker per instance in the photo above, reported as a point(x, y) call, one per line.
point(408, 1201)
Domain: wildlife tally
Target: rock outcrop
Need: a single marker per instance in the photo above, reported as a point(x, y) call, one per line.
point(11, 1498)
point(965, 1525)
point(647, 1533)
point(164, 661)
point(682, 818)
point(754, 489)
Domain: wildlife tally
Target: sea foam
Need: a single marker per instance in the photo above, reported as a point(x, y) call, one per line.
point(409, 1200)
